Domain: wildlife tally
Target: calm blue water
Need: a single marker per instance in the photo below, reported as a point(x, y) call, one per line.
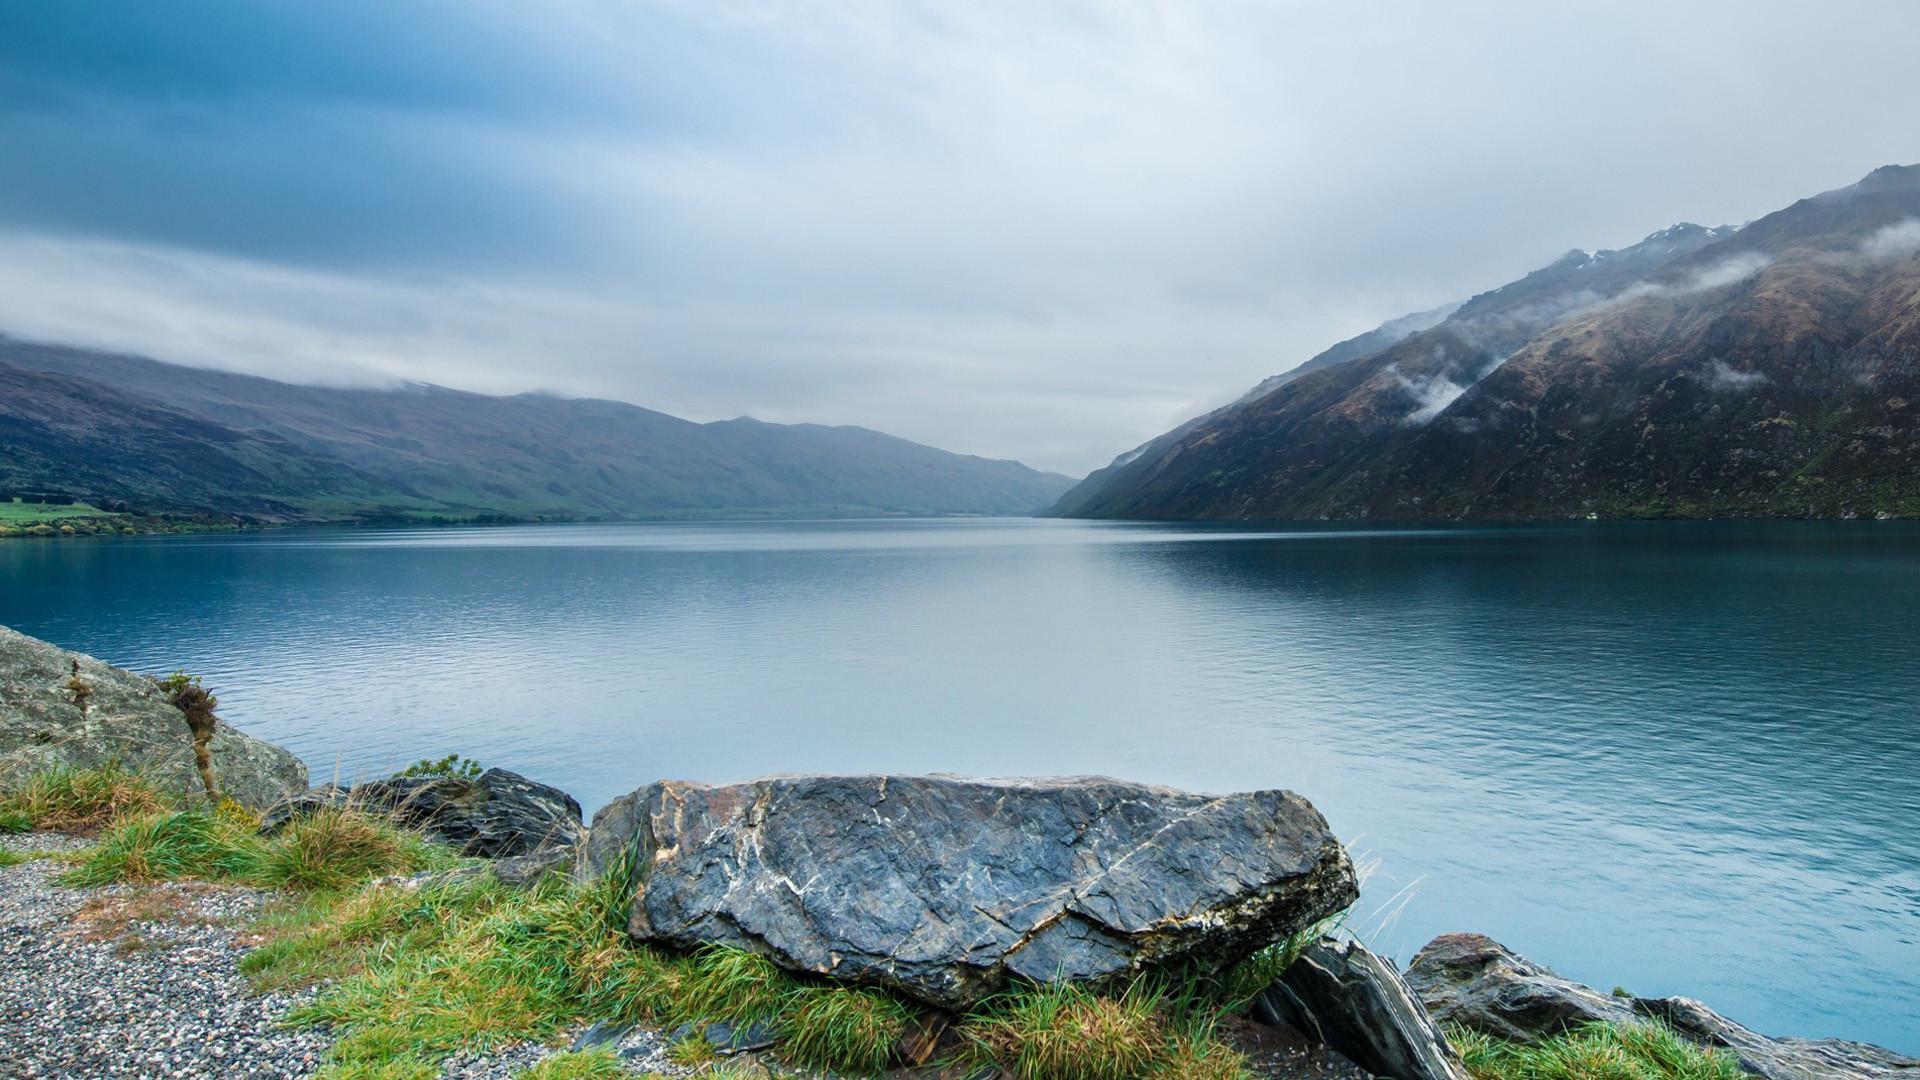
point(1678, 758)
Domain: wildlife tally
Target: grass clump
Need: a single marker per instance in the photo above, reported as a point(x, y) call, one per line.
point(330, 849)
point(65, 799)
point(843, 1029)
point(1064, 1031)
point(594, 1064)
point(169, 846)
point(1595, 1051)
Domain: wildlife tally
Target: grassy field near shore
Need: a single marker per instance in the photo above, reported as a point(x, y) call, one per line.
point(410, 971)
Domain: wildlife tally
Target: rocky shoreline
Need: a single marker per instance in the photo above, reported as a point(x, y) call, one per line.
point(916, 906)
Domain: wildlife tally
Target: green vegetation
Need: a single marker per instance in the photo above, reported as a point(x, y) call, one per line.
point(411, 974)
point(451, 767)
point(77, 800)
point(329, 849)
point(1596, 1051)
point(26, 513)
point(577, 1065)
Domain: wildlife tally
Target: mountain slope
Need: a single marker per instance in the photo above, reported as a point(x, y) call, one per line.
point(179, 439)
point(1769, 370)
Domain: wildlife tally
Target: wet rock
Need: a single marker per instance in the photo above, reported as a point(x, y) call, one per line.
point(45, 722)
point(1345, 997)
point(944, 889)
point(1476, 982)
point(1780, 1059)
point(496, 815)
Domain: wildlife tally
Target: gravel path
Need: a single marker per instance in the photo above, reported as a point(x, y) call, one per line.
point(122, 981)
point(141, 982)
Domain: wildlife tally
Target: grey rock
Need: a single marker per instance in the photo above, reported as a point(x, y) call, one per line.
point(1476, 982)
point(301, 804)
point(1780, 1059)
point(602, 1033)
point(496, 815)
point(128, 720)
point(945, 889)
point(526, 871)
point(741, 1038)
point(1472, 980)
point(1345, 997)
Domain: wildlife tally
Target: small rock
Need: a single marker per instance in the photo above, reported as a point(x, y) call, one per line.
point(1347, 998)
point(1476, 982)
point(1780, 1059)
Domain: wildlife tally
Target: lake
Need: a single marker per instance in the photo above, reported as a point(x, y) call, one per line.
point(1681, 758)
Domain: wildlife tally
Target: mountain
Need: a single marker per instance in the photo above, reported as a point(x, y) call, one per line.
point(171, 439)
point(1769, 370)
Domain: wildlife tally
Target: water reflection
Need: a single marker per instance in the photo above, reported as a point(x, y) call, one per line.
point(1680, 758)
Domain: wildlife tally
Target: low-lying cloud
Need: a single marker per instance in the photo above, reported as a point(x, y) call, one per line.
point(1896, 241)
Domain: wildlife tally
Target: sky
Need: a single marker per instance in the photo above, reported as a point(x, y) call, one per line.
point(1044, 231)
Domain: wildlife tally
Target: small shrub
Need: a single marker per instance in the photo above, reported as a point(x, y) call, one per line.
point(451, 767)
point(78, 800)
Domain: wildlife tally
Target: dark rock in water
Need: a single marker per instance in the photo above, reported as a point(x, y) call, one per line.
point(1476, 982)
point(944, 889)
point(496, 815)
point(121, 717)
point(1780, 1059)
point(1347, 998)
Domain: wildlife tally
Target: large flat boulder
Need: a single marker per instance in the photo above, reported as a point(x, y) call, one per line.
point(945, 889)
point(127, 719)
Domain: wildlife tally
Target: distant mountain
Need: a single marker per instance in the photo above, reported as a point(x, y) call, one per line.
point(1768, 370)
point(171, 439)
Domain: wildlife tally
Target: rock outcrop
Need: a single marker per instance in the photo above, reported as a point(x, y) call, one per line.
point(943, 889)
point(1780, 1059)
point(1476, 982)
point(1345, 997)
point(496, 815)
point(48, 721)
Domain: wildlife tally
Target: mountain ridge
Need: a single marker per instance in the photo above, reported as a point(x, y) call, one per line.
point(1699, 372)
point(178, 439)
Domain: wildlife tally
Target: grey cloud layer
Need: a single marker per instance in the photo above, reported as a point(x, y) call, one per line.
point(1041, 231)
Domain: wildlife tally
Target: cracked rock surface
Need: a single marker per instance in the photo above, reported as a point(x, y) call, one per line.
point(943, 888)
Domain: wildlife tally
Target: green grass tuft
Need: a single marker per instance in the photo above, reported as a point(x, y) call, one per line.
point(597, 1064)
point(1596, 1051)
point(169, 846)
point(1064, 1031)
point(11, 858)
point(65, 799)
point(842, 1029)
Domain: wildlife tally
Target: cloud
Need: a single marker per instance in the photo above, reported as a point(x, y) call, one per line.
point(1722, 378)
point(1730, 271)
point(1896, 241)
point(1048, 230)
point(1431, 394)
